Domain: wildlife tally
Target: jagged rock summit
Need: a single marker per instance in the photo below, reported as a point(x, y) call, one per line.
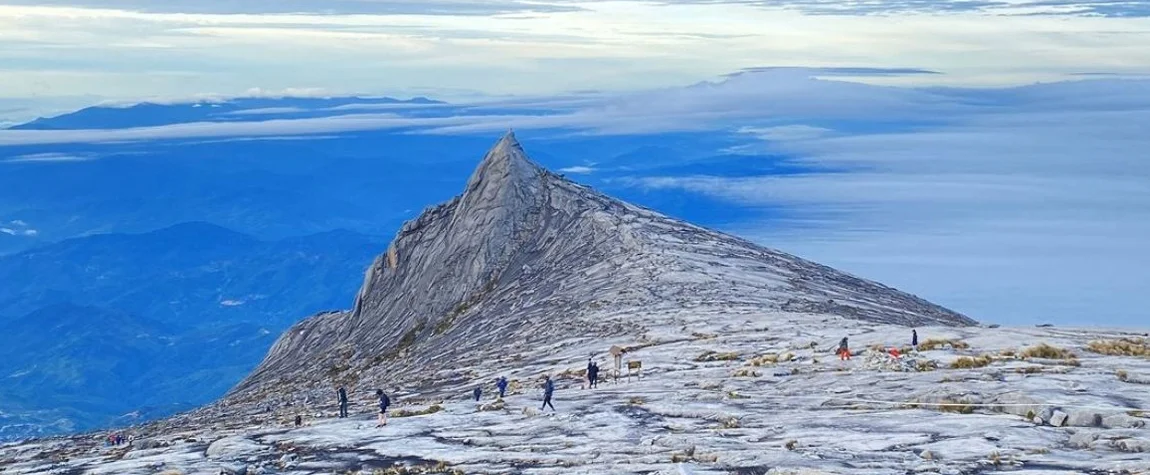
point(525, 258)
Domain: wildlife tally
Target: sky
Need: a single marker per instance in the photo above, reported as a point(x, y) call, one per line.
point(989, 155)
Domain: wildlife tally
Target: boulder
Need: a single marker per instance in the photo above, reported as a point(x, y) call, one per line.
point(1083, 440)
point(1083, 418)
point(1058, 418)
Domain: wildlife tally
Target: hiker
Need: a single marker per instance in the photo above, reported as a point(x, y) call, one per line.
point(298, 420)
point(548, 390)
point(384, 401)
point(342, 402)
point(593, 375)
point(477, 392)
point(844, 350)
point(502, 385)
point(590, 369)
point(914, 339)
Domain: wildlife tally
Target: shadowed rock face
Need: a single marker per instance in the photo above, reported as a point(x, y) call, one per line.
point(524, 257)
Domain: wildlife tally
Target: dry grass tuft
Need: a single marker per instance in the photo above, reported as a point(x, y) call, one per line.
point(1139, 347)
point(746, 373)
point(637, 401)
point(432, 409)
point(967, 362)
point(1122, 375)
point(1048, 352)
point(934, 344)
point(1029, 370)
point(957, 407)
point(717, 356)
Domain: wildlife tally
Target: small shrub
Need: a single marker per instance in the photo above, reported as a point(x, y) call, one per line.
point(731, 423)
point(1030, 415)
point(1029, 370)
point(432, 409)
point(1122, 375)
point(926, 365)
point(734, 395)
point(957, 407)
point(768, 359)
point(967, 362)
point(637, 401)
point(791, 444)
point(1121, 347)
point(716, 356)
point(1047, 352)
point(746, 373)
point(934, 344)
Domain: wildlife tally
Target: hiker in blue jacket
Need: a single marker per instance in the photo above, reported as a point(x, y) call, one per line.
point(502, 385)
point(548, 390)
point(384, 402)
point(477, 392)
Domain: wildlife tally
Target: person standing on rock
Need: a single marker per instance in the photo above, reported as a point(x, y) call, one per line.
point(548, 390)
point(844, 350)
point(502, 385)
point(593, 375)
point(478, 392)
point(342, 393)
point(384, 402)
point(914, 339)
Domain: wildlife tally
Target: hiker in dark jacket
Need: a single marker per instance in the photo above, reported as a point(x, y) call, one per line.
point(914, 339)
point(548, 390)
point(502, 385)
point(844, 350)
point(384, 402)
point(342, 402)
point(593, 375)
point(477, 392)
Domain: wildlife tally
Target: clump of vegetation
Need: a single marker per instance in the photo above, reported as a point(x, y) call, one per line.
point(967, 362)
point(717, 356)
point(934, 344)
point(731, 423)
point(791, 444)
point(1029, 370)
point(637, 401)
point(926, 365)
point(432, 409)
point(1122, 375)
point(957, 407)
point(734, 395)
point(767, 359)
point(746, 373)
point(441, 467)
point(1008, 353)
point(704, 336)
point(1139, 347)
point(1047, 352)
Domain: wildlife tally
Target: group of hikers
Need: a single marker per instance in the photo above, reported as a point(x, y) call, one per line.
point(592, 381)
point(117, 439)
point(844, 351)
point(341, 393)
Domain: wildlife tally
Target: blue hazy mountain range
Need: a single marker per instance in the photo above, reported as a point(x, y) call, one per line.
point(109, 325)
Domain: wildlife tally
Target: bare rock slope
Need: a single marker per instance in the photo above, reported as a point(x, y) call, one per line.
point(524, 255)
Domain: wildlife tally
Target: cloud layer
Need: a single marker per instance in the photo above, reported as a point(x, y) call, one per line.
point(132, 50)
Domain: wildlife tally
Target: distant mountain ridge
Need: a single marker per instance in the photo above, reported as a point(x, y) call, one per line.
point(146, 114)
